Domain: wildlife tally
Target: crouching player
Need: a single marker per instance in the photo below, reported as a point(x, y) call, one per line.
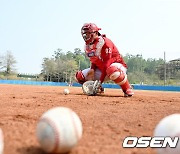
point(106, 61)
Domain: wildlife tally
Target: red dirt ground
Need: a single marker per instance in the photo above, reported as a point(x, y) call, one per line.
point(107, 119)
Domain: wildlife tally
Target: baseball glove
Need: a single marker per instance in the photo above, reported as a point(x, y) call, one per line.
point(91, 88)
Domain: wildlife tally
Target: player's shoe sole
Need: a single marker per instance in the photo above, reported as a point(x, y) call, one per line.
point(128, 93)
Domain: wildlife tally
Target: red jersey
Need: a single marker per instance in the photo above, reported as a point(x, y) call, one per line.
point(102, 53)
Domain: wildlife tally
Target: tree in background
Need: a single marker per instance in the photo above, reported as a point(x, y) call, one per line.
point(8, 63)
point(81, 59)
point(61, 67)
point(1, 60)
point(142, 71)
point(48, 68)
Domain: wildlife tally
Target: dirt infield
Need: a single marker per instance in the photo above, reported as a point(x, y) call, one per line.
point(107, 119)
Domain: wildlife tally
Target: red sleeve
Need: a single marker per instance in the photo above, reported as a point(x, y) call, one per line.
point(103, 75)
point(109, 53)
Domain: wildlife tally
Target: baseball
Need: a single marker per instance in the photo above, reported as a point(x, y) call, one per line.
point(1, 142)
point(66, 91)
point(59, 130)
point(169, 126)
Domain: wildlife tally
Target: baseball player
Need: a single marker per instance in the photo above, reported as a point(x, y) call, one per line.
point(106, 61)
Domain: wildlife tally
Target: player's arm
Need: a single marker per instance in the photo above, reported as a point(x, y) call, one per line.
point(90, 74)
point(93, 66)
point(108, 59)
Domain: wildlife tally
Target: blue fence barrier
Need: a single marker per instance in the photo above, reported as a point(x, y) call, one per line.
point(138, 87)
point(25, 82)
point(160, 88)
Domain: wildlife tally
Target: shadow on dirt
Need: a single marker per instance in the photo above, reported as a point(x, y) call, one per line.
point(102, 95)
point(32, 150)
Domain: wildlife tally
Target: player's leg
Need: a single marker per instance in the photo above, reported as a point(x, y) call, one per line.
point(81, 75)
point(84, 75)
point(117, 73)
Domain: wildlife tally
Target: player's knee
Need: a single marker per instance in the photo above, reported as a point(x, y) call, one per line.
point(79, 77)
point(116, 75)
point(112, 72)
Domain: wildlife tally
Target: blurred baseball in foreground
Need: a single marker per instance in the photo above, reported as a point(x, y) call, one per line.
point(169, 126)
point(1, 142)
point(59, 130)
point(66, 91)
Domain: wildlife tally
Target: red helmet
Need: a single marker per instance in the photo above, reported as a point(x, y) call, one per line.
point(87, 31)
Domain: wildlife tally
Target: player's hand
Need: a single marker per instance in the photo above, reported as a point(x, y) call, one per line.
point(91, 88)
point(96, 86)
